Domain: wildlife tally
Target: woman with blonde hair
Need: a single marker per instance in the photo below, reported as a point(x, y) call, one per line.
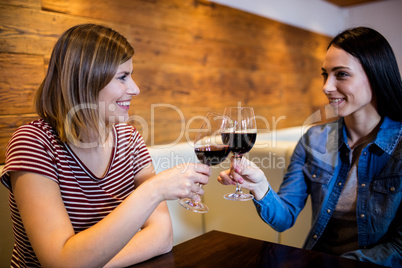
point(83, 191)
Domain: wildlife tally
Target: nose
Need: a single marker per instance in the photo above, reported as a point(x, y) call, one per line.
point(328, 86)
point(132, 88)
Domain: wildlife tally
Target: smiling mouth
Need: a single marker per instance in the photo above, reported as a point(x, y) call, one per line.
point(334, 101)
point(123, 103)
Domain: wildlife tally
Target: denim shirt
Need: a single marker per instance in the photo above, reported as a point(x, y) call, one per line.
point(319, 167)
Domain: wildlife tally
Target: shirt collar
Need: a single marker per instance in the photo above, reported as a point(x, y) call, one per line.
point(387, 137)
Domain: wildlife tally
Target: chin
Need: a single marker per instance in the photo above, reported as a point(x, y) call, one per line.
point(118, 119)
point(345, 113)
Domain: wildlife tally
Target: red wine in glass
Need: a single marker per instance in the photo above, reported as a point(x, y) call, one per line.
point(212, 155)
point(239, 132)
point(239, 143)
point(210, 150)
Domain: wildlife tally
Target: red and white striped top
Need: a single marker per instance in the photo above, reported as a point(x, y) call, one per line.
point(35, 148)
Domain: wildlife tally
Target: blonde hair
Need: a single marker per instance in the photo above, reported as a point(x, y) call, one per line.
point(84, 60)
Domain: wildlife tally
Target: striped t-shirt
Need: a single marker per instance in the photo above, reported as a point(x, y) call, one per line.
point(36, 148)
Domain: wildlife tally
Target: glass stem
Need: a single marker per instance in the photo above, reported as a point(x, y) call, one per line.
point(238, 189)
point(192, 200)
point(238, 159)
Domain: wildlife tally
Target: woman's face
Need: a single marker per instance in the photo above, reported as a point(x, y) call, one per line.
point(114, 99)
point(346, 84)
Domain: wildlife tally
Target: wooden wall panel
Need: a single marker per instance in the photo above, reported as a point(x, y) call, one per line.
point(192, 56)
point(20, 76)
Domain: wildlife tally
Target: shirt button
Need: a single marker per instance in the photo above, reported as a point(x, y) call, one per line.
point(315, 236)
point(363, 185)
point(328, 210)
point(339, 183)
point(365, 153)
point(392, 189)
point(314, 175)
point(362, 216)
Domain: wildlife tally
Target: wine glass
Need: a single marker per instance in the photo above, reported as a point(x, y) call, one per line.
point(210, 150)
point(240, 133)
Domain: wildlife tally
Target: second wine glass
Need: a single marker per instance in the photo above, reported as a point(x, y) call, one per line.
point(240, 133)
point(210, 150)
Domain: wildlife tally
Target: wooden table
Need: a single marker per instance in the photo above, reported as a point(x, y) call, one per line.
point(219, 249)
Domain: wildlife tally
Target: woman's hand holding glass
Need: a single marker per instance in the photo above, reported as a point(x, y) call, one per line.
point(182, 181)
point(248, 175)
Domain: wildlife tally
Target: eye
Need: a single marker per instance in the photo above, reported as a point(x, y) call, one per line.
point(324, 75)
point(123, 77)
point(341, 74)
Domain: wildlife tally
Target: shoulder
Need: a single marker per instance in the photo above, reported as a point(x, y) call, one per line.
point(126, 132)
point(125, 129)
point(325, 129)
point(320, 143)
point(33, 148)
point(37, 126)
point(389, 137)
point(37, 131)
point(130, 140)
point(319, 136)
point(34, 142)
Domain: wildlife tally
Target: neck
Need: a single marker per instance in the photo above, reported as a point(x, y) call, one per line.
point(360, 127)
point(93, 141)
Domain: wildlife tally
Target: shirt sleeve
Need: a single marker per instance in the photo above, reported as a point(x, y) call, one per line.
point(280, 210)
point(29, 150)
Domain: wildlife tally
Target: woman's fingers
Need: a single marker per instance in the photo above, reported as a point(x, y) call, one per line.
point(226, 178)
point(196, 176)
point(202, 169)
point(198, 189)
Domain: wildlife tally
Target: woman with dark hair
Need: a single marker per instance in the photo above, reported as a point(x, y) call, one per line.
point(351, 168)
point(375, 55)
point(83, 190)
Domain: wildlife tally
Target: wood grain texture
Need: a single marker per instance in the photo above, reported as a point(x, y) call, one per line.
point(191, 57)
point(20, 76)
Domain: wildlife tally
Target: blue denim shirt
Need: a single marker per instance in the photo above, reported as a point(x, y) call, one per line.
point(319, 167)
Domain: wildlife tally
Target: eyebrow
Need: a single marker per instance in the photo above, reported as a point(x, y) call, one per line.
point(124, 72)
point(336, 68)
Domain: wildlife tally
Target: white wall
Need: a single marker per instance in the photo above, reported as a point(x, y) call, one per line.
point(315, 15)
point(325, 18)
point(385, 17)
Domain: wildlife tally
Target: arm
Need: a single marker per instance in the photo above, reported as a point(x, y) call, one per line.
point(52, 236)
point(281, 209)
point(155, 236)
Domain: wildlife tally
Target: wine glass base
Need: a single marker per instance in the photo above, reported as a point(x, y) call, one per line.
point(199, 207)
point(238, 197)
